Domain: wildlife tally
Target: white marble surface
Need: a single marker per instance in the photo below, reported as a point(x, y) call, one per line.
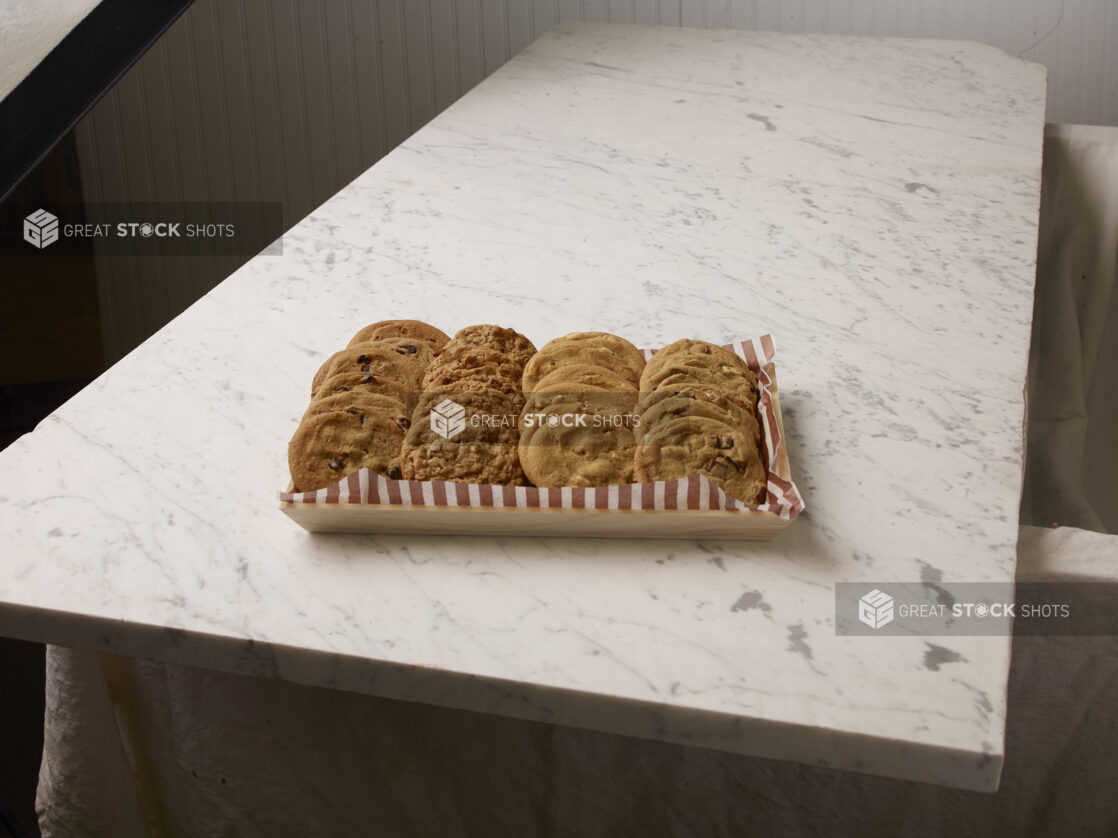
point(872, 203)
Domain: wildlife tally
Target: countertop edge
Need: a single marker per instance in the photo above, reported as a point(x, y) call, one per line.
point(815, 746)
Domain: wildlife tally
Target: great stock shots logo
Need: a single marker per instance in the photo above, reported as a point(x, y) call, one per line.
point(142, 228)
point(448, 419)
point(40, 228)
point(935, 607)
point(875, 609)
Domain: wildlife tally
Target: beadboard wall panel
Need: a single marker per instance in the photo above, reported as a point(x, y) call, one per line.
point(289, 100)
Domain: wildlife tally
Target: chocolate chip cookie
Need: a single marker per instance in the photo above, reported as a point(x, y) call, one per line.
point(360, 403)
point(401, 359)
point(328, 446)
point(685, 351)
point(739, 389)
point(691, 445)
point(415, 329)
point(365, 382)
point(660, 406)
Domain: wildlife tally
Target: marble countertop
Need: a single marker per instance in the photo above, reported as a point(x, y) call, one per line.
point(872, 203)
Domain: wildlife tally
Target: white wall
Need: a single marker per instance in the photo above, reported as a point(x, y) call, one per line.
point(290, 99)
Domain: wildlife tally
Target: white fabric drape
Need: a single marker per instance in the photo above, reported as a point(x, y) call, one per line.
point(1072, 474)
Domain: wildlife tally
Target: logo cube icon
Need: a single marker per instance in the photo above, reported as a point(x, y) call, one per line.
point(875, 609)
point(40, 228)
point(448, 419)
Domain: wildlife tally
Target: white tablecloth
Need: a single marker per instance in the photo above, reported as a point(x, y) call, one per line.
point(1072, 475)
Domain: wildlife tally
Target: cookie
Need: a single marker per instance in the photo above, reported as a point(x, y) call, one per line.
point(479, 384)
point(727, 363)
point(401, 359)
point(660, 406)
point(585, 374)
point(740, 390)
point(717, 369)
point(691, 445)
point(598, 451)
point(485, 417)
point(360, 403)
point(589, 398)
point(327, 447)
point(463, 462)
point(599, 348)
point(461, 362)
point(516, 348)
point(415, 329)
point(471, 438)
point(685, 351)
point(365, 382)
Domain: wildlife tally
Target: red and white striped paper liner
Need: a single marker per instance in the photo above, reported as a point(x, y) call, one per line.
point(694, 492)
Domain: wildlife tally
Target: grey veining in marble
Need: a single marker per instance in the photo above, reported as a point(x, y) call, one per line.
point(871, 203)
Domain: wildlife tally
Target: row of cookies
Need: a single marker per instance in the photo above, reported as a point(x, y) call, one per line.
point(362, 399)
point(579, 415)
point(464, 426)
point(698, 414)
